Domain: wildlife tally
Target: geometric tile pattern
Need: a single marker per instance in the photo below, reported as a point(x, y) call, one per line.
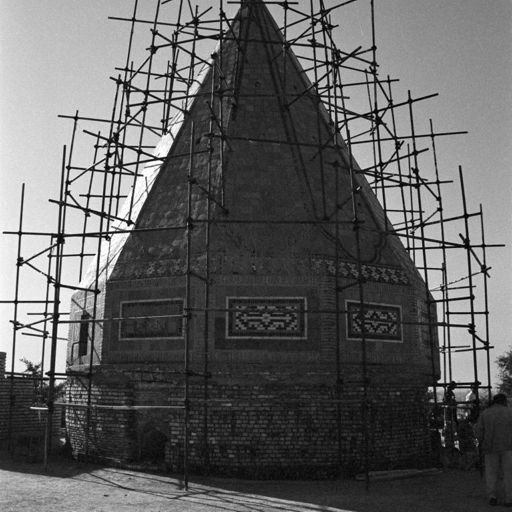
point(318, 265)
point(151, 319)
point(347, 269)
point(424, 335)
point(266, 317)
point(379, 321)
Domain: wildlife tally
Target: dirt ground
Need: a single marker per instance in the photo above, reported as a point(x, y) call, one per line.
point(72, 487)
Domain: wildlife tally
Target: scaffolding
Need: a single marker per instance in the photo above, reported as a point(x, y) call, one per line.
point(153, 95)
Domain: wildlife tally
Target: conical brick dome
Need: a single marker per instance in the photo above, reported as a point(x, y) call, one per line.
point(283, 170)
point(244, 259)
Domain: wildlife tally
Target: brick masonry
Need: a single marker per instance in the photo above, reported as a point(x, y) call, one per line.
point(266, 424)
point(271, 409)
point(15, 408)
point(262, 405)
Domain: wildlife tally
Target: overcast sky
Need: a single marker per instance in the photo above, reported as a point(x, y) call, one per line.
point(56, 57)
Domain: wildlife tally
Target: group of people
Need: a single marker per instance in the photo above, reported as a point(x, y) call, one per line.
point(458, 422)
point(491, 428)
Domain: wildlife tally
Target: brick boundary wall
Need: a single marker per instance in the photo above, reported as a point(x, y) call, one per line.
point(24, 421)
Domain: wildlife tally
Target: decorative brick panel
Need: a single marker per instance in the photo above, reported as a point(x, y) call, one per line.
point(145, 319)
point(266, 317)
point(378, 321)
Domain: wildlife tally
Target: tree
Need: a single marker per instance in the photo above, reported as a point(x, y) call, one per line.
point(504, 363)
point(31, 368)
point(34, 371)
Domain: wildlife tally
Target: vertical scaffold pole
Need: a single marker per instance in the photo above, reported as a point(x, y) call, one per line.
point(422, 248)
point(19, 262)
point(206, 315)
point(398, 146)
point(222, 83)
point(101, 228)
point(284, 51)
point(45, 314)
point(376, 120)
point(412, 205)
point(337, 170)
point(59, 242)
point(355, 189)
point(467, 246)
point(486, 310)
point(86, 215)
point(124, 110)
point(187, 313)
point(447, 359)
point(152, 51)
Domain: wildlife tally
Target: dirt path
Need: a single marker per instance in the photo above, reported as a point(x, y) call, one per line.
point(74, 487)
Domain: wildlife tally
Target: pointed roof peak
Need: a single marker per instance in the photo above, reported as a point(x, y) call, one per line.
point(247, 4)
point(279, 166)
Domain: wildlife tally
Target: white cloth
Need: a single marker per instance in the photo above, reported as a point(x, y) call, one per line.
point(470, 397)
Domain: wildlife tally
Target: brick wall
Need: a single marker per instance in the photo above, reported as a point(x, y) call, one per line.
point(15, 408)
point(2, 364)
point(257, 427)
point(108, 430)
point(276, 430)
point(271, 409)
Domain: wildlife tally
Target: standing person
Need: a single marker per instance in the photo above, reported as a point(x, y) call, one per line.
point(494, 433)
point(450, 400)
point(450, 415)
point(472, 403)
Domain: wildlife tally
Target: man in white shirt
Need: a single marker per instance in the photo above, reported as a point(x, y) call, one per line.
point(471, 403)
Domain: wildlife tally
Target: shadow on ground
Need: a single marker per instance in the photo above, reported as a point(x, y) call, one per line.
point(67, 485)
point(58, 466)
